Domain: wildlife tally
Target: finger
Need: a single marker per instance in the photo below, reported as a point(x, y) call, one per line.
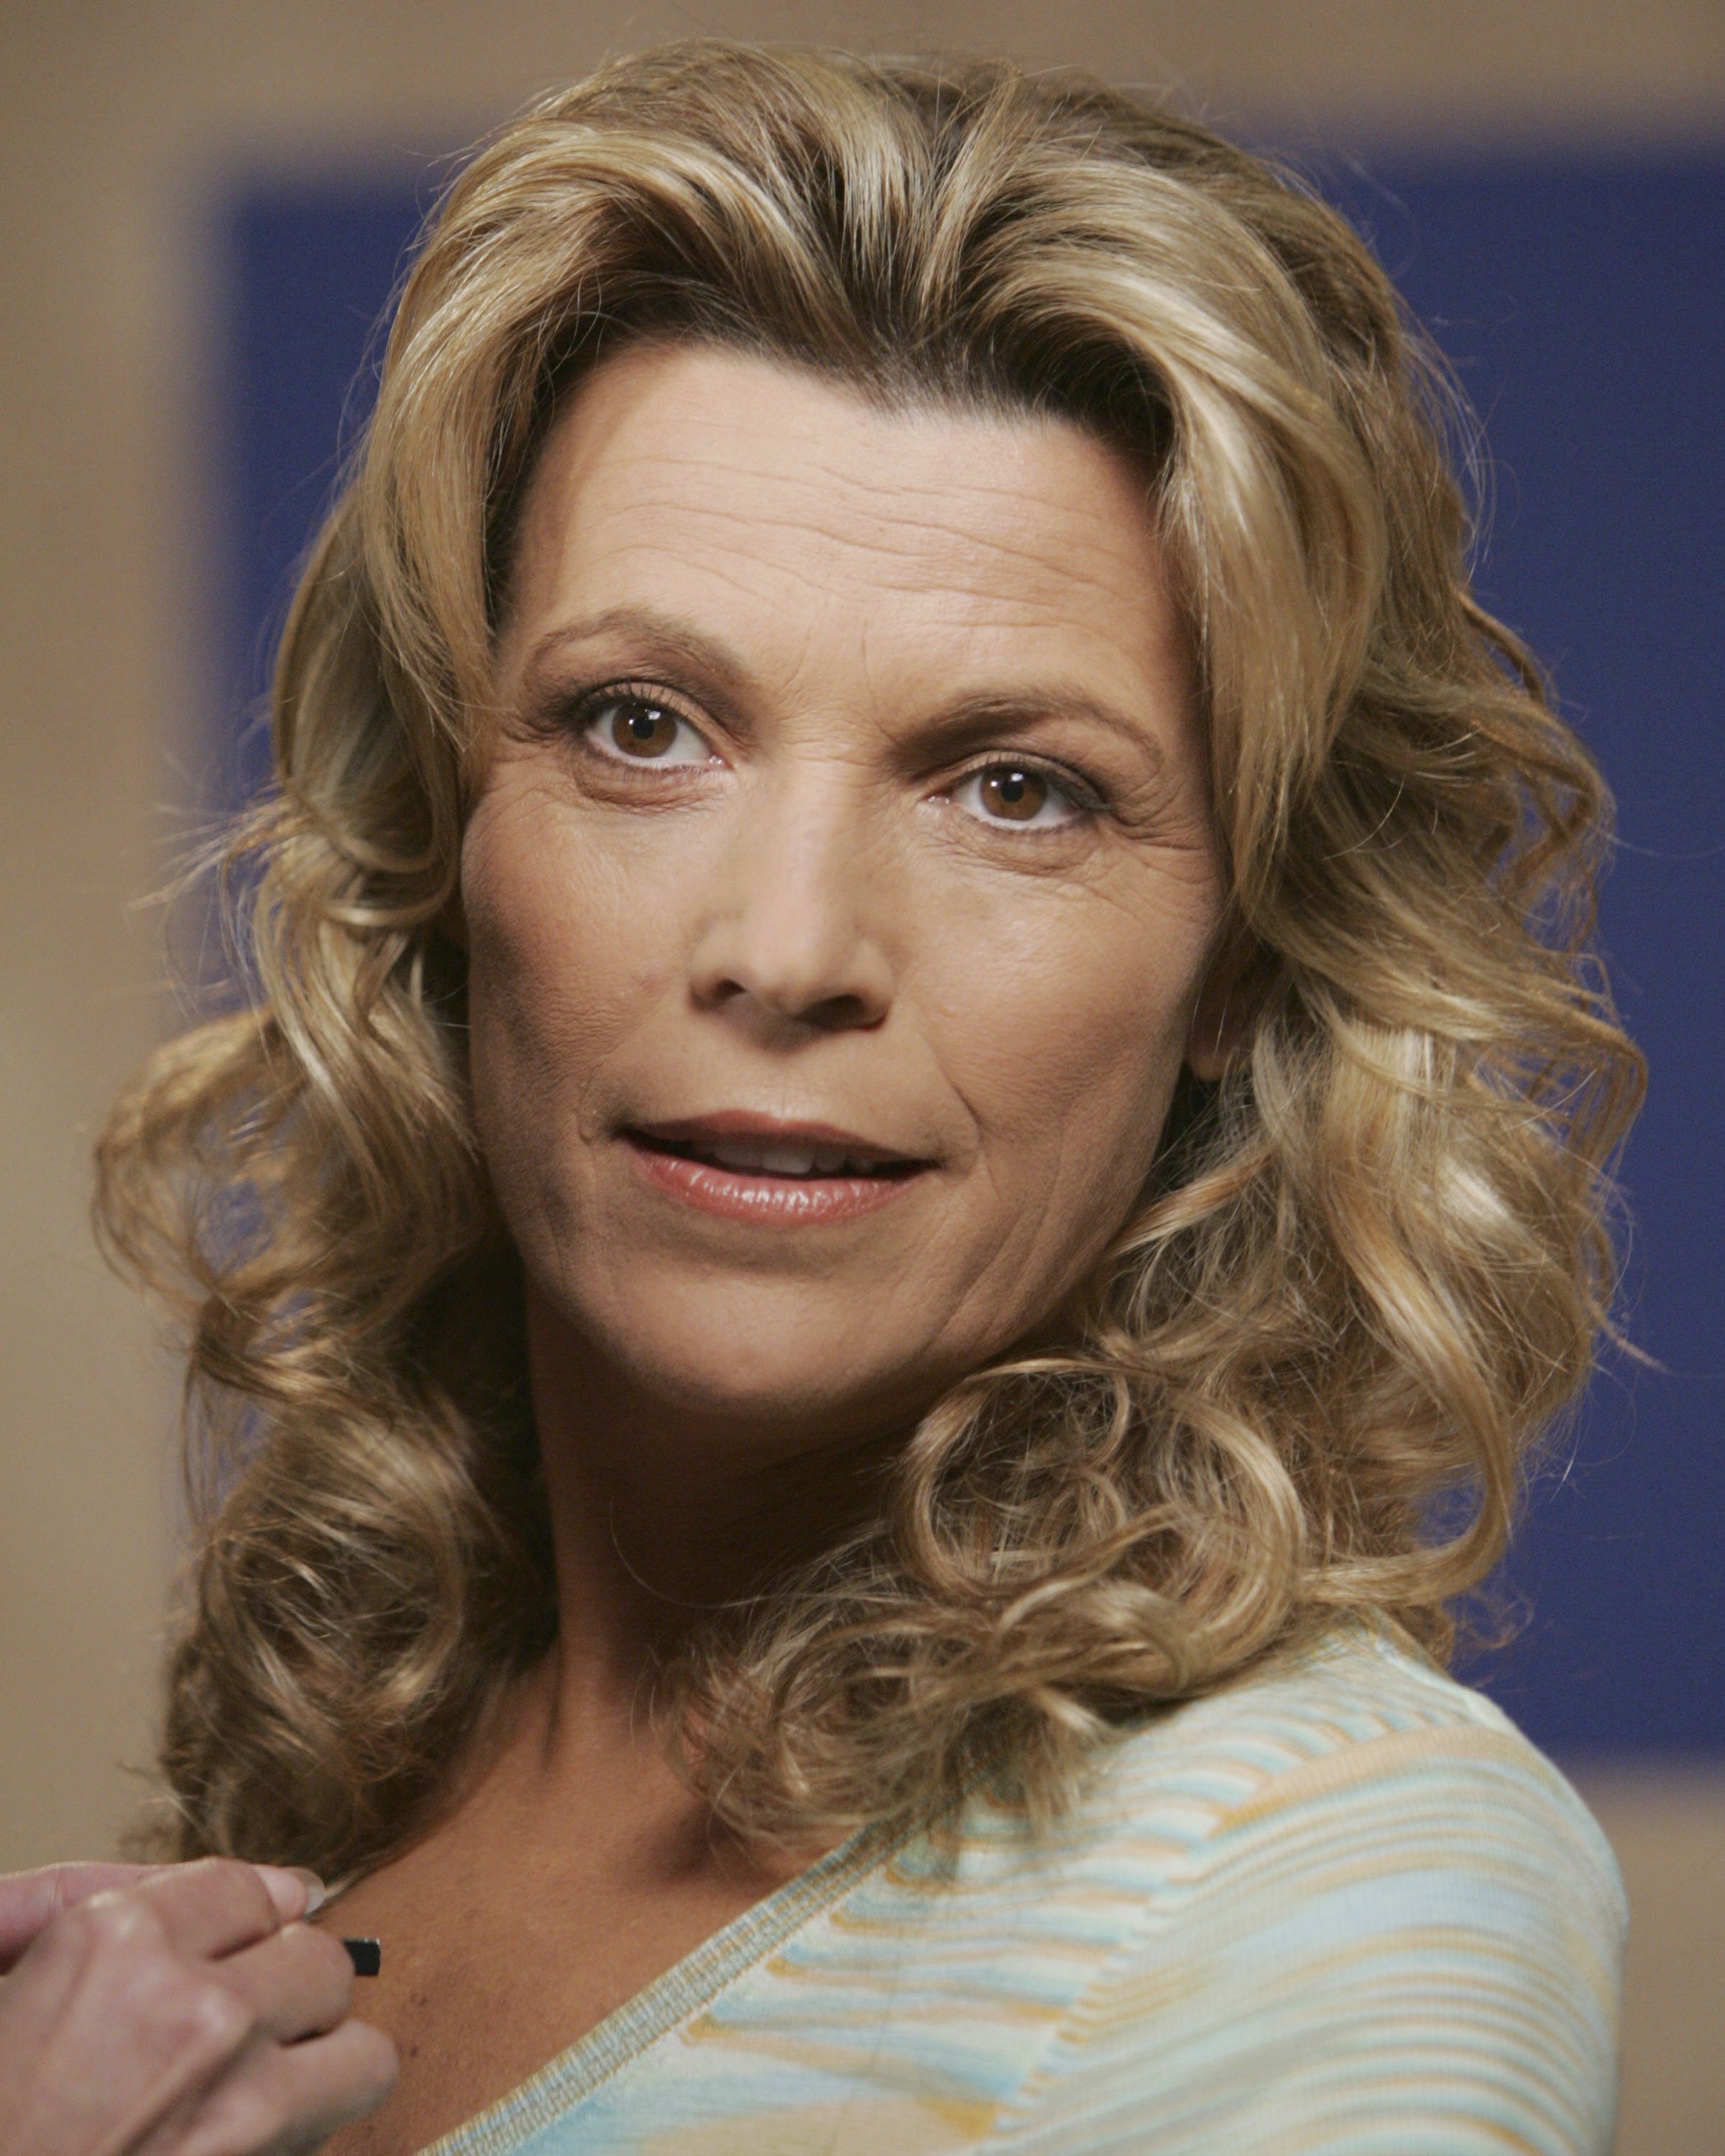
point(213, 1907)
point(110, 2026)
point(298, 1984)
point(330, 2080)
point(295, 1892)
point(29, 1900)
point(285, 2098)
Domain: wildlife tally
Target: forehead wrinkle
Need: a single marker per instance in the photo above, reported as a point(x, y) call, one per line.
point(1045, 565)
point(1043, 702)
point(1008, 535)
point(719, 571)
point(1050, 580)
point(885, 499)
point(721, 502)
point(900, 502)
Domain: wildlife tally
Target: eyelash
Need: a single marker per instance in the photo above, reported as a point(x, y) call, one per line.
point(1085, 798)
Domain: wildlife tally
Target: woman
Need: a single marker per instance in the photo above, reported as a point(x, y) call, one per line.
point(918, 1140)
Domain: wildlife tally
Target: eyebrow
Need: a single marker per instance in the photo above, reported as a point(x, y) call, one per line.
point(954, 724)
point(674, 638)
point(951, 725)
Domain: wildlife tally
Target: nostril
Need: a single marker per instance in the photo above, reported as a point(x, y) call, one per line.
point(843, 1014)
point(841, 1011)
point(802, 952)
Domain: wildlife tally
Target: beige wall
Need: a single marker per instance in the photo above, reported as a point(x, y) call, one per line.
point(117, 124)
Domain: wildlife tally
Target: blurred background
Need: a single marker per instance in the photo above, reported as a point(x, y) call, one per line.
point(204, 205)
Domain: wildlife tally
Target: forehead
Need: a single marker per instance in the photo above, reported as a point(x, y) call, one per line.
point(696, 478)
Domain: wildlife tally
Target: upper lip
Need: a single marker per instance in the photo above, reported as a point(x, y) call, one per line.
point(736, 1123)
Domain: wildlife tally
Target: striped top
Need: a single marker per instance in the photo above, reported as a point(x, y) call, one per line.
point(1342, 1908)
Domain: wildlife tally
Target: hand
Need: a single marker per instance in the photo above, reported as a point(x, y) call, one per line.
point(176, 2010)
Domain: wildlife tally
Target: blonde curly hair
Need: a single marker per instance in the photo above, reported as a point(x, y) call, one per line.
point(1370, 1265)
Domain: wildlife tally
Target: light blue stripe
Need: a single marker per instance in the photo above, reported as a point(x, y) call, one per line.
point(1343, 1907)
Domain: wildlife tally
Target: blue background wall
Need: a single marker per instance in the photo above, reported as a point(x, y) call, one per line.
point(1582, 301)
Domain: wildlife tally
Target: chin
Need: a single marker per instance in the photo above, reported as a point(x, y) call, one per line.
point(764, 1358)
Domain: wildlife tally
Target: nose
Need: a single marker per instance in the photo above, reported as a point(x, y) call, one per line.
point(791, 934)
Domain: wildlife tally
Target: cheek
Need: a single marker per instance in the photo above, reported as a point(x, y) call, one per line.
point(560, 952)
point(1065, 1033)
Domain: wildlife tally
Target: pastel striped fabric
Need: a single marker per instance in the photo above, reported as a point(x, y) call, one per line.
point(1344, 1906)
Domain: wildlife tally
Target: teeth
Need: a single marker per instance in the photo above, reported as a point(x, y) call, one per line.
point(745, 1154)
point(774, 1159)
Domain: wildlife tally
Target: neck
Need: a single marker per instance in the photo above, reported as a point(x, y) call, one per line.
point(661, 1518)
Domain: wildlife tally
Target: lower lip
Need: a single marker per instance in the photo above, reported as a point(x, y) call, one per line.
point(777, 1201)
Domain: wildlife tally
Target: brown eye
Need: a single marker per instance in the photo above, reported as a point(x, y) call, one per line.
point(643, 730)
point(625, 726)
point(1022, 795)
point(1012, 792)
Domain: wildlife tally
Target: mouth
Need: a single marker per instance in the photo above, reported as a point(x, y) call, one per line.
point(751, 1168)
point(752, 1146)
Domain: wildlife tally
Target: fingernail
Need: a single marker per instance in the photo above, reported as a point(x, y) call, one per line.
point(316, 1893)
point(294, 1890)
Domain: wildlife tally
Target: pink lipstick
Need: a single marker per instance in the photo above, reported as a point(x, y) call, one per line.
point(744, 1166)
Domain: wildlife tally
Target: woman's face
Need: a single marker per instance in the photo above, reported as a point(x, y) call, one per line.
point(841, 890)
